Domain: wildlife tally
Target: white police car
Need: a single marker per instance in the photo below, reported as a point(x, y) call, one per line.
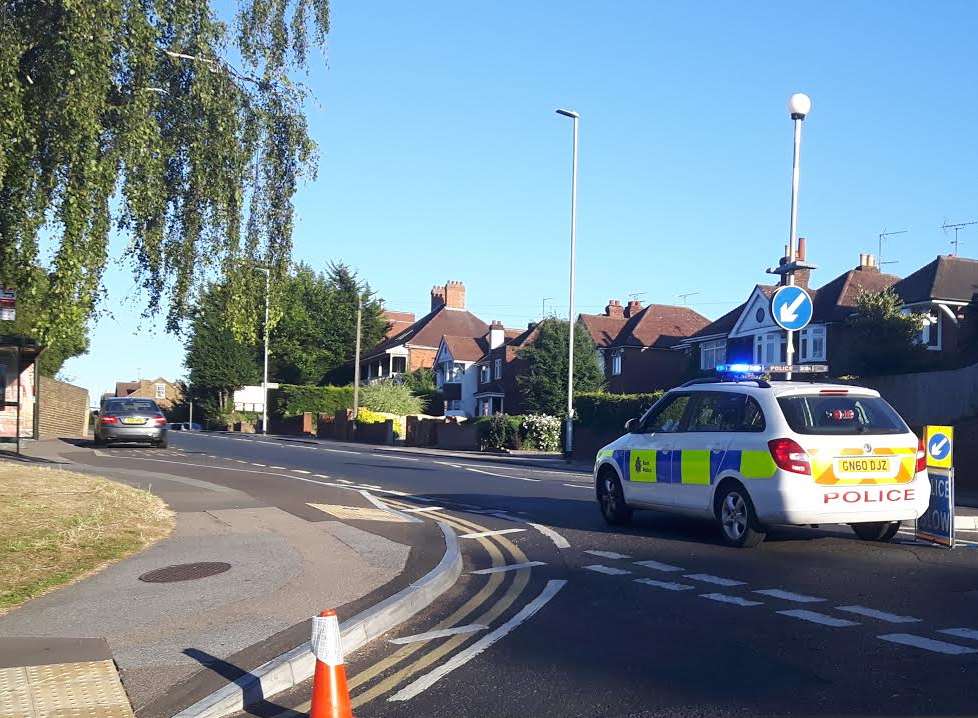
point(751, 453)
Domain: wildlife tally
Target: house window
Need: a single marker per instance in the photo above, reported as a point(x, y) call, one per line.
point(600, 356)
point(930, 332)
point(454, 371)
point(616, 363)
point(713, 353)
point(399, 365)
point(811, 346)
point(161, 391)
point(484, 374)
point(768, 348)
point(498, 364)
point(485, 407)
point(455, 405)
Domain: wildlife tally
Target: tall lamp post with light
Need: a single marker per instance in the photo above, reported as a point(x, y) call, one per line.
point(799, 105)
point(569, 422)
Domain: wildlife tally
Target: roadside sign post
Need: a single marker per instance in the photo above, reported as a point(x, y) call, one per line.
point(937, 524)
point(792, 310)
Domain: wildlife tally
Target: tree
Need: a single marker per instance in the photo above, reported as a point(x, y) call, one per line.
point(348, 290)
point(423, 384)
point(544, 385)
point(125, 114)
point(883, 339)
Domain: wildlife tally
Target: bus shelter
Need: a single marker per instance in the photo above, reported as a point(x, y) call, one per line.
point(18, 389)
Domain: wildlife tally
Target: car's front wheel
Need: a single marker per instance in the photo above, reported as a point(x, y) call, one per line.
point(611, 498)
point(881, 531)
point(739, 526)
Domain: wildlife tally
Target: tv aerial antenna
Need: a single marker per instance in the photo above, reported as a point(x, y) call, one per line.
point(886, 235)
point(686, 295)
point(957, 227)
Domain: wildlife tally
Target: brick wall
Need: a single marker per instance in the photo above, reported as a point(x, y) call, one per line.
point(63, 410)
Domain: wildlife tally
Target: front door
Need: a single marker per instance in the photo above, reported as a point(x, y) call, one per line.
point(648, 464)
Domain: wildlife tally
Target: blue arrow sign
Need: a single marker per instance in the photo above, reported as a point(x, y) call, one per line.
point(939, 446)
point(791, 308)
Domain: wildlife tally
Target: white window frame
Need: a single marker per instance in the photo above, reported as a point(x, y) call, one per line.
point(932, 321)
point(616, 362)
point(768, 347)
point(484, 374)
point(498, 368)
point(806, 352)
point(713, 353)
point(160, 389)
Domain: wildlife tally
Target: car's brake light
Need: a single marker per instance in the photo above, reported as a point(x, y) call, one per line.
point(921, 457)
point(160, 421)
point(789, 456)
point(833, 392)
point(109, 420)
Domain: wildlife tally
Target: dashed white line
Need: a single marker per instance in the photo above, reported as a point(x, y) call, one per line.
point(303, 471)
point(820, 618)
point(482, 534)
point(789, 595)
point(879, 615)
point(423, 509)
point(322, 476)
point(280, 468)
point(718, 580)
point(460, 659)
point(344, 481)
point(558, 540)
point(969, 633)
point(503, 476)
point(928, 644)
point(605, 554)
point(510, 567)
point(431, 635)
point(607, 570)
point(445, 463)
point(369, 486)
point(667, 585)
point(263, 466)
point(656, 566)
point(732, 600)
point(579, 486)
point(341, 451)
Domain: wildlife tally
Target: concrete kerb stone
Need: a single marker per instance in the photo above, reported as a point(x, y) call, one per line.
point(295, 666)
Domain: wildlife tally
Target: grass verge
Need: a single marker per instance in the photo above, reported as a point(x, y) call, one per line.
point(57, 526)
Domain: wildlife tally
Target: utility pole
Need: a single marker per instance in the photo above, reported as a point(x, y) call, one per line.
point(956, 227)
point(356, 362)
point(883, 235)
point(264, 408)
point(543, 308)
point(191, 420)
point(569, 431)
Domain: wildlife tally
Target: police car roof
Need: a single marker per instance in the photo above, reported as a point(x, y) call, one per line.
point(780, 388)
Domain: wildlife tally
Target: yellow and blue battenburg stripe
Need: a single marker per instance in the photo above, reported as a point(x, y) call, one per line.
point(690, 466)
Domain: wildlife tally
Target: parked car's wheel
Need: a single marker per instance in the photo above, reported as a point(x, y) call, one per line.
point(881, 531)
point(611, 498)
point(162, 443)
point(739, 526)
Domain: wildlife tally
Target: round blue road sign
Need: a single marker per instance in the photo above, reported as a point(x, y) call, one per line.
point(939, 446)
point(791, 308)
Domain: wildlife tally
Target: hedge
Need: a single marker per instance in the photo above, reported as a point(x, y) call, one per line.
point(294, 399)
point(500, 432)
point(601, 410)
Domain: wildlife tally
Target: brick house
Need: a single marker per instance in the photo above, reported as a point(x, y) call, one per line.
point(636, 344)
point(164, 392)
point(416, 344)
point(497, 390)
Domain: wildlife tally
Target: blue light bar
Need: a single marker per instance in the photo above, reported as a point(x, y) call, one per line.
point(739, 368)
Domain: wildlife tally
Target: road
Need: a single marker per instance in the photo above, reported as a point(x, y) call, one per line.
point(656, 619)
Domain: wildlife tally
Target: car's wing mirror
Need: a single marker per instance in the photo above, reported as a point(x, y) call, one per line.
point(633, 426)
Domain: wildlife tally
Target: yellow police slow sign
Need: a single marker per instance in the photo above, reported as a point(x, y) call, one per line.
point(939, 442)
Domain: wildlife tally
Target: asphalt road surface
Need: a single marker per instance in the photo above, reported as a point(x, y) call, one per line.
point(656, 619)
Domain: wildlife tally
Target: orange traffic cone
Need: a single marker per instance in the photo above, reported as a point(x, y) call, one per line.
point(330, 695)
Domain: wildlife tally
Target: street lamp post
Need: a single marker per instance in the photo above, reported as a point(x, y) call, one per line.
point(264, 383)
point(569, 430)
point(799, 105)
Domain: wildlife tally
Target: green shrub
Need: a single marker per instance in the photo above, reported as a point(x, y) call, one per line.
point(600, 410)
point(366, 416)
point(295, 399)
point(390, 397)
point(542, 432)
point(499, 432)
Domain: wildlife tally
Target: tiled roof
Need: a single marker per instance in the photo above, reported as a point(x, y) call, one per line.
point(429, 330)
point(657, 325)
point(604, 330)
point(397, 322)
point(947, 277)
point(836, 300)
point(466, 348)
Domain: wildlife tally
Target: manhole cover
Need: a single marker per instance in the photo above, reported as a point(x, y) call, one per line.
point(185, 572)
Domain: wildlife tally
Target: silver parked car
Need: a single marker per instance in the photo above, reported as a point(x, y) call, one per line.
point(130, 420)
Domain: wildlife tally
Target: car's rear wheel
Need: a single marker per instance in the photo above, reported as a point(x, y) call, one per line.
point(881, 531)
point(162, 444)
point(611, 498)
point(739, 526)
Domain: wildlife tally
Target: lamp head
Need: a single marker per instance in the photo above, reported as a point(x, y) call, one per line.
point(568, 113)
point(799, 105)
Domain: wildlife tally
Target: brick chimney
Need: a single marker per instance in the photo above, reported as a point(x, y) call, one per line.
point(614, 309)
point(802, 276)
point(455, 295)
point(497, 335)
point(867, 263)
point(633, 308)
point(437, 297)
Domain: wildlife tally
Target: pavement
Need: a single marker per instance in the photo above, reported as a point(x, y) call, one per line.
point(558, 614)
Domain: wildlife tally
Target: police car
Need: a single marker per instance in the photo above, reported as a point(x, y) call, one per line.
point(751, 453)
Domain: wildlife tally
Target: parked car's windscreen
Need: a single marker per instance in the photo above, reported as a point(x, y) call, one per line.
point(131, 406)
point(841, 415)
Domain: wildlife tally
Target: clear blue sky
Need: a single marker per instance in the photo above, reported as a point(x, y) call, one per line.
point(442, 158)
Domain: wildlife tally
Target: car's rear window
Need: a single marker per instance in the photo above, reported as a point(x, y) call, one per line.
point(131, 405)
point(840, 415)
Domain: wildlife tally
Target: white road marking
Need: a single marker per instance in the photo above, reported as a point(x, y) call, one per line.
point(341, 451)
point(789, 595)
point(445, 463)
point(820, 618)
point(510, 567)
point(431, 635)
point(559, 541)
point(503, 476)
point(928, 644)
point(969, 633)
point(303, 471)
point(879, 615)
point(605, 554)
point(579, 486)
point(423, 509)
point(718, 580)
point(344, 481)
point(733, 600)
point(263, 466)
point(655, 565)
point(608, 570)
point(460, 659)
point(394, 456)
point(667, 585)
point(419, 498)
point(381, 505)
point(369, 486)
point(500, 532)
point(279, 468)
point(322, 476)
